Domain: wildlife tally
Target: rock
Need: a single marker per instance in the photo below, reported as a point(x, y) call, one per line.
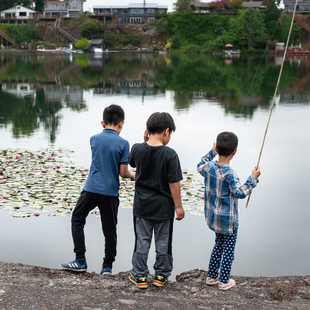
point(127, 301)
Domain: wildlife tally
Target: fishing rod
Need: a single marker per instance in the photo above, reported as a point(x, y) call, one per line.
point(275, 92)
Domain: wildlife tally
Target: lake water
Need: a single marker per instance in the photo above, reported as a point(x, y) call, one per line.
point(57, 101)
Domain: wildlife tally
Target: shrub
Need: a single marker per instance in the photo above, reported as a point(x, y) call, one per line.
point(130, 39)
point(82, 44)
point(90, 27)
point(110, 38)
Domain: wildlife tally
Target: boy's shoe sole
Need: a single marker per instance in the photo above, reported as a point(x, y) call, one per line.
point(75, 266)
point(136, 281)
point(211, 281)
point(160, 281)
point(75, 270)
point(227, 286)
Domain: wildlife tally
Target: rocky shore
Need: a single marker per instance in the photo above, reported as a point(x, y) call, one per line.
point(30, 287)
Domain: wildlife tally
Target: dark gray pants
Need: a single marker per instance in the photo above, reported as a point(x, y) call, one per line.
point(163, 238)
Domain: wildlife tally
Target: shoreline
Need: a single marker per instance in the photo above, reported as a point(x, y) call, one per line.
point(25, 286)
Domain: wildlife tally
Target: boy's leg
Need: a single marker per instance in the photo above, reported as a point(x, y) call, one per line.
point(163, 244)
point(216, 256)
point(86, 202)
point(108, 207)
point(143, 234)
point(228, 256)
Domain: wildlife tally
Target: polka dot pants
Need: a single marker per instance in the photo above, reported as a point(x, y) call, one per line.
point(222, 256)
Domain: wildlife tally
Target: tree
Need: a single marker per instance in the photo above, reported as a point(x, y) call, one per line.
point(82, 44)
point(90, 27)
point(183, 5)
point(39, 5)
point(110, 38)
point(248, 29)
point(271, 18)
point(235, 5)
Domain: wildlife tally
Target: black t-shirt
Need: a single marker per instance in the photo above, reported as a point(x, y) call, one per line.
point(157, 166)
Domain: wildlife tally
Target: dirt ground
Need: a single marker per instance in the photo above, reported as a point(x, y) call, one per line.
point(29, 287)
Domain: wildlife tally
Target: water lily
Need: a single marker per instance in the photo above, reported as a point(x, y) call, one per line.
point(185, 171)
point(202, 197)
point(37, 213)
point(18, 156)
point(43, 170)
point(55, 154)
point(1, 177)
point(86, 169)
point(57, 166)
point(39, 155)
point(49, 157)
point(4, 196)
point(56, 181)
point(32, 173)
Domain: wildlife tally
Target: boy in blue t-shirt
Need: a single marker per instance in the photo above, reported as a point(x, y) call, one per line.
point(222, 190)
point(109, 160)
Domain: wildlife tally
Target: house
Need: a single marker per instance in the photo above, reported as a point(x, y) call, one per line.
point(134, 13)
point(258, 5)
point(68, 8)
point(223, 6)
point(302, 7)
point(17, 12)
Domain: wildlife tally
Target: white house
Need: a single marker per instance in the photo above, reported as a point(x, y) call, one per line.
point(55, 8)
point(18, 12)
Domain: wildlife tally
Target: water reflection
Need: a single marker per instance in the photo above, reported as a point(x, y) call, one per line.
point(36, 88)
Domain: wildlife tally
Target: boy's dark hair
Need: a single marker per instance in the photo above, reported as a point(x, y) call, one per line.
point(113, 114)
point(226, 143)
point(158, 122)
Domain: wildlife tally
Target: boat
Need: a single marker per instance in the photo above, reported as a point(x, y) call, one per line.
point(97, 50)
point(40, 49)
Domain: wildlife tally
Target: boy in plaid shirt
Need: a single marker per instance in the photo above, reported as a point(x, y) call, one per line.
point(222, 190)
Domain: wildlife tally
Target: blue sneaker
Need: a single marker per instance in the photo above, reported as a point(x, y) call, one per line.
point(106, 270)
point(78, 265)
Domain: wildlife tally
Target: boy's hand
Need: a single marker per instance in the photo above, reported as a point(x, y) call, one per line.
point(256, 172)
point(146, 136)
point(214, 148)
point(180, 213)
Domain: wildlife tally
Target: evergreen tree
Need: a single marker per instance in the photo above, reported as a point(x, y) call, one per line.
point(183, 5)
point(39, 5)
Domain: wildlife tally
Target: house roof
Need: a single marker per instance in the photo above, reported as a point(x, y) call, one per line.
point(18, 8)
point(200, 5)
point(96, 41)
point(253, 4)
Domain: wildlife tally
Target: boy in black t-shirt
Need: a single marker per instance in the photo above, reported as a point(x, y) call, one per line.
point(157, 197)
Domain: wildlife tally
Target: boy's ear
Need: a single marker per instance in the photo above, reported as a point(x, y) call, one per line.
point(234, 152)
point(121, 124)
point(103, 124)
point(167, 132)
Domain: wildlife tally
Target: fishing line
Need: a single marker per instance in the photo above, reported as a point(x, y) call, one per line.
point(254, 76)
point(275, 92)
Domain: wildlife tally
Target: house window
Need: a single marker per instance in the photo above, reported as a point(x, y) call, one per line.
point(22, 14)
point(137, 11)
point(150, 10)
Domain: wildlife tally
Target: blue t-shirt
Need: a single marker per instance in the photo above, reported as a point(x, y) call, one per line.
point(109, 151)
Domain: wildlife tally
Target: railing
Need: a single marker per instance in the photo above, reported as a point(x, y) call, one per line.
point(6, 37)
point(66, 34)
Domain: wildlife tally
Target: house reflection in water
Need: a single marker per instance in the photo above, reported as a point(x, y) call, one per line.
point(127, 87)
point(71, 96)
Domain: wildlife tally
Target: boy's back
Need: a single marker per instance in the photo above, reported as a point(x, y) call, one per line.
point(157, 166)
point(109, 151)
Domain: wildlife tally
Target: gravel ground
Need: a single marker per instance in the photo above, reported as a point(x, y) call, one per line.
point(30, 287)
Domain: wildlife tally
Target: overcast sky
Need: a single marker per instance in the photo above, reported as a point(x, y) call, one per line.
point(88, 5)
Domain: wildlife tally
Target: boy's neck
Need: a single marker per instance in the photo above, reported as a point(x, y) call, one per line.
point(156, 139)
point(117, 128)
point(224, 160)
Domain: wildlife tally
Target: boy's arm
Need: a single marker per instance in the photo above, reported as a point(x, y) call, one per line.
point(124, 172)
point(242, 190)
point(208, 157)
point(175, 190)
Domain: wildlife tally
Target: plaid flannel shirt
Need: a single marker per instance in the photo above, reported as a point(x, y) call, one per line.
point(222, 190)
